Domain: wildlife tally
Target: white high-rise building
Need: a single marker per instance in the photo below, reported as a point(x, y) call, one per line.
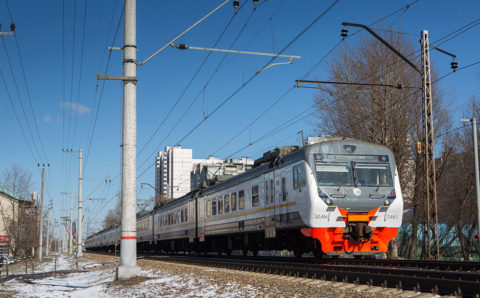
point(172, 172)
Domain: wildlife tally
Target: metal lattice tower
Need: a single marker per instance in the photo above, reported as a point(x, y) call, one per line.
point(432, 249)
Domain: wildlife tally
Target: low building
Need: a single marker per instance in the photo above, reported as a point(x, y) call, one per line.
point(18, 224)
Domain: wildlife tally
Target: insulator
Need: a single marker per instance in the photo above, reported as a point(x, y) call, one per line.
point(255, 2)
point(235, 5)
point(344, 33)
point(12, 27)
point(454, 65)
point(182, 46)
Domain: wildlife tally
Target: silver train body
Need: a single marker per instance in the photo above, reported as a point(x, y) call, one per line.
point(336, 196)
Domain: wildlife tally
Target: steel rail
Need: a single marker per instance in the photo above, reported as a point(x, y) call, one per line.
point(429, 281)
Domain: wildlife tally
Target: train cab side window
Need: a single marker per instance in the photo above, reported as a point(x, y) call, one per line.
point(234, 201)
point(255, 199)
point(209, 208)
point(220, 205)
point(214, 207)
point(299, 179)
point(271, 191)
point(241, 200)
point(267, 192)
point(226, 203)
point(284, 189)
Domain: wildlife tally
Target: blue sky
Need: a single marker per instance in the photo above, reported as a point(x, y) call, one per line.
point(48, 45)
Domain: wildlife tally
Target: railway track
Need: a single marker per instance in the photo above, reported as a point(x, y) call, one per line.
point(436, 277)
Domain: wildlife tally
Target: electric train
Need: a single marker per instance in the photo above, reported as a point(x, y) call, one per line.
point(337, 196)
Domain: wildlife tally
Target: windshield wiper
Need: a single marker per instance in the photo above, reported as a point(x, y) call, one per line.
point(354, 174)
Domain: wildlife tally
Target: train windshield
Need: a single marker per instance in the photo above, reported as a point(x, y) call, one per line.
point(373, 174)
point(334, 174)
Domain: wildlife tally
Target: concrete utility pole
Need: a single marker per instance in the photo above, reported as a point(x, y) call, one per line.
point(128, 254)
point(69, 223)
point(80, 201)
point(40, 240)
point(477, 178)
point(79, 228)
point(70, 227)
point(48, 229)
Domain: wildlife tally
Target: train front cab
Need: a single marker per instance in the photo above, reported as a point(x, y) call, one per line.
point(356, 216)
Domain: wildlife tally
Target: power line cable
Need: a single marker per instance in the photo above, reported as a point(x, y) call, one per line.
point(73, 68)
point(318, 63)
point(101, 96)
point(26, 84)
point(255, 74)
point(17, 118)
point(252, 77)
point(204, 87)
point(80, 72)
point(190, 82)
point(308, 73)
point(21, 103)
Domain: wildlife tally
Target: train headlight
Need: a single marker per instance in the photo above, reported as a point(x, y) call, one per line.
point(392, 196)
point(321, 194)
point(328, 201)
point(388, 202)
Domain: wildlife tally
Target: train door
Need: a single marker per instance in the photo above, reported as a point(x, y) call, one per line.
point(203, 210)
point(299, 183)
point(269, 199)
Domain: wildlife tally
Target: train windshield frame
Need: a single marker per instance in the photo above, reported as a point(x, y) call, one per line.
point(373, 174)
point(334, 174)
point(353, 170)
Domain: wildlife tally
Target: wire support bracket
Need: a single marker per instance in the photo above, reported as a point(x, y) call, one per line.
point(119, 78)
point(185, 47)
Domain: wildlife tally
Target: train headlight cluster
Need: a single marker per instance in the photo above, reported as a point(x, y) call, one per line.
point(324, 197)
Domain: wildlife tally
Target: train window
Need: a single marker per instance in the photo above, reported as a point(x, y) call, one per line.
point(241, 199)
point(186, 214)
point(255, 199)
point(373, 174)
point(234, 201)
point(267, 192)
point(226, 203)
point(284, 189)
point(299, 179)
point(220, 205)
point(182, 218)
point(214, 207)
point(271, 191)
point(209, 208)
point(337, 174)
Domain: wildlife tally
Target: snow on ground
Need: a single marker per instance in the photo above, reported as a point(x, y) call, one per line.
point(89, 284)
point(63, 263)
point(186, 285)
point(99, 282)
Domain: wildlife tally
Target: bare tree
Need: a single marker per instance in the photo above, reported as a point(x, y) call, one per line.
point(114, 217)
point(382, 115)
point(19, 215)
point(457, 197)
point(160, 200)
